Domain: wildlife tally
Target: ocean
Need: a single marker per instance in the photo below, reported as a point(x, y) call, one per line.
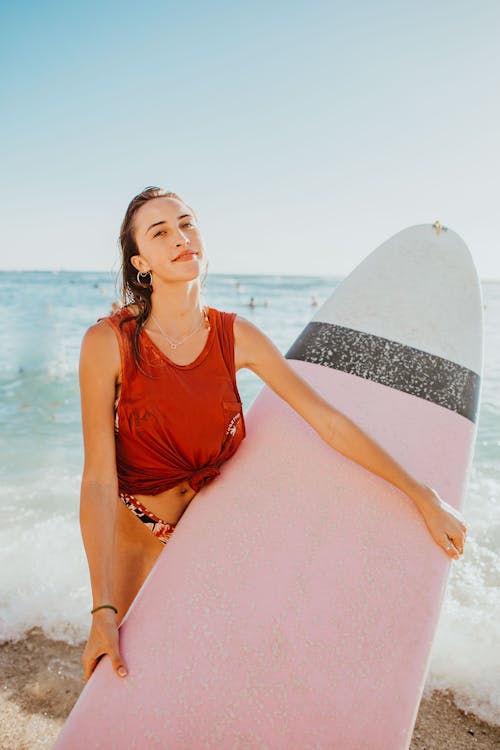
point(43, 571)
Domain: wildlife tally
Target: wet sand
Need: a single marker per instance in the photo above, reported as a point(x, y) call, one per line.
point(42, 678)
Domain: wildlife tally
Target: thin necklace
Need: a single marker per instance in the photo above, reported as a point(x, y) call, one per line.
point(173, 343)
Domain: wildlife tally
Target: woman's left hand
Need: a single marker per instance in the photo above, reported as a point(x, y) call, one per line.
point(444, 522)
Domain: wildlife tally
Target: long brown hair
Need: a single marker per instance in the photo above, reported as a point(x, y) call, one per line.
point(132, 291)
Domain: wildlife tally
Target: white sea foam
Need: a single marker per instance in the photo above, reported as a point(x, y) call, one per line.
point(44, 580)
point(466, 651)
point(43, 571)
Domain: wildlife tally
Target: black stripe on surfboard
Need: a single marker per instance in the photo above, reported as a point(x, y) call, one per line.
point(390, 363)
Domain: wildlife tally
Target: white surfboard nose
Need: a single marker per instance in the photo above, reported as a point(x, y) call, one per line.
point(429, 277)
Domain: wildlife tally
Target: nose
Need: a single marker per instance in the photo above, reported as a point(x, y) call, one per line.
point(182, 240)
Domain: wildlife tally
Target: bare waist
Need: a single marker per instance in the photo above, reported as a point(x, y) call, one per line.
point(169, 504)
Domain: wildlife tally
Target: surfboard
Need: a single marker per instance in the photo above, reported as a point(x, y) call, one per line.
point(296, 604)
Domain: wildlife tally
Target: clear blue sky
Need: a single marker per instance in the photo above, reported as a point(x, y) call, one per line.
point(304, 134)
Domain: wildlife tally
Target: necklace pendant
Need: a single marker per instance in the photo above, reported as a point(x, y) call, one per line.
point(173, 346)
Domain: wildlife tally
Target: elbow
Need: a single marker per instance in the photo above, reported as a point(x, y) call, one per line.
point(97, 491)
point(98, 505)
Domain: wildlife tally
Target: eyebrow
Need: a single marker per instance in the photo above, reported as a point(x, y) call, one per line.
point(182, 216)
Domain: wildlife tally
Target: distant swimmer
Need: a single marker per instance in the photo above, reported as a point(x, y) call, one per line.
point(314, 301)
point(252, 303)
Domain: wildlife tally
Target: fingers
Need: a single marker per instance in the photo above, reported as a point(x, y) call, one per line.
point(458, 540)
point(117, 662)
point(451, 549)
point(447, 527)
point(453, 543)
point(89, 662)
point(458, 537)
point(454, 535)
point(114, 654)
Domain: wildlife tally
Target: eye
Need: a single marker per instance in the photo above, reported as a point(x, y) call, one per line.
point(188, 224)
point(162, 231)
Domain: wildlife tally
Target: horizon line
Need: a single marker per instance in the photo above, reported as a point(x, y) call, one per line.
point(486, 280)
point(212, 273)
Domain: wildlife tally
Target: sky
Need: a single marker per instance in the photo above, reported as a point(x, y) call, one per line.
point(303, 134)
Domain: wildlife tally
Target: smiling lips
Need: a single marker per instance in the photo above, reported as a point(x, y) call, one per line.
point(186, 255)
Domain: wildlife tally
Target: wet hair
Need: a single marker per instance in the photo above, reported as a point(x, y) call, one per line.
point(133, 292)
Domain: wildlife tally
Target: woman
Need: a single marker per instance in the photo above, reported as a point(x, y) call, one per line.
point(161, 412)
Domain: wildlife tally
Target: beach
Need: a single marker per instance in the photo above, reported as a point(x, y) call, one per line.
point(44, 609)
point(42, 679)
point(296, 140)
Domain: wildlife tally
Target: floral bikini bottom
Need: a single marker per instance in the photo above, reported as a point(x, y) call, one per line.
point(161, 529)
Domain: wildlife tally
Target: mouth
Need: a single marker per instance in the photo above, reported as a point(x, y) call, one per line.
point(186, 255)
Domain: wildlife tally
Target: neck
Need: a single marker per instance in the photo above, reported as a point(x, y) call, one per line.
point(177, 307)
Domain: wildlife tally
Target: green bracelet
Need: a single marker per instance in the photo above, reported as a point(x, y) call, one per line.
point(104, 606)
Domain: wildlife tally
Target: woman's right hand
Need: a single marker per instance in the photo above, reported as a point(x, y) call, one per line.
point(103, 639)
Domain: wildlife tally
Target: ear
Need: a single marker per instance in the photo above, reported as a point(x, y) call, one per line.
point(139, 263)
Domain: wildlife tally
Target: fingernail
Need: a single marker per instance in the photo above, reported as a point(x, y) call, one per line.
point(122, 672)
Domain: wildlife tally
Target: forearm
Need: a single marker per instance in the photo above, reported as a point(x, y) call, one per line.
point(97, 523)
point(350, 440)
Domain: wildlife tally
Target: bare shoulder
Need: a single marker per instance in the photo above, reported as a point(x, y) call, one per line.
point(100, 348)
point(243, 327)
point(251, 344)
point(99, 335)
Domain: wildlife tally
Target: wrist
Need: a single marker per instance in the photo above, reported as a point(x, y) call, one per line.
point(107, 608)
point(425, 498)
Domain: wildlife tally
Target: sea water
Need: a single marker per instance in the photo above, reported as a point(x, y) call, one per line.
point(43, 571)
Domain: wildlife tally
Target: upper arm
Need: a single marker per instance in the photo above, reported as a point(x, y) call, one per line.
point(98, 373)
point(254, 350)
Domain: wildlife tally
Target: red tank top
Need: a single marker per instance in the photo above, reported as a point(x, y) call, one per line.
point(176, 422)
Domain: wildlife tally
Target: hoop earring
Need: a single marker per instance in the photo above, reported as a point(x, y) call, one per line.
point(143, 282)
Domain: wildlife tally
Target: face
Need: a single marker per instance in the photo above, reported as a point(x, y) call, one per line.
point(169, 240)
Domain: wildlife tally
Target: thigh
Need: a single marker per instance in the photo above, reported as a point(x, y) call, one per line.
point(136, 550)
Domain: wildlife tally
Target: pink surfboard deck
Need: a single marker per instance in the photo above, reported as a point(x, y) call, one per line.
point(295, 605)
